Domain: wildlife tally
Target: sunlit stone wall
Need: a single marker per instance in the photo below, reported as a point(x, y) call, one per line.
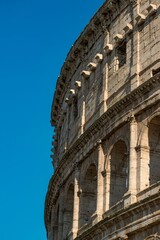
point(106, 118)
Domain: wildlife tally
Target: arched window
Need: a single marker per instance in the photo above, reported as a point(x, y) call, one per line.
point(118, 166)
point(154, 150)
point(88, 197)
point(68, 212)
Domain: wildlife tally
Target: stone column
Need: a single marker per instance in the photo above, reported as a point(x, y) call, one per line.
point(132, 184)
point(100, 189)
point(143, 167)
point(105, 72)
point(106, 195)
point(76, 204)
point(83, 115)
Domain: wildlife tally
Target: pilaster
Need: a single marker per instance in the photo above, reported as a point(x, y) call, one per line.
point(106, 182)
point(76, 204)
point(135, 51)
point(100, 187)
point(143, 167)
point(130, 196)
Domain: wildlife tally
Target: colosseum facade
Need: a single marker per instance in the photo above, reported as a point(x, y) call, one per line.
point(106, 118)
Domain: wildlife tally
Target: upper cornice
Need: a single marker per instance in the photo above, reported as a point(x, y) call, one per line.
point(97, 25)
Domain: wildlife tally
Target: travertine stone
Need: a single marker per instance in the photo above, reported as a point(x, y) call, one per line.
point(106, 118)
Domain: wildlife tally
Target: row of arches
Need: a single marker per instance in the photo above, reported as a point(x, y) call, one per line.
point(87, 201)
point(88, 188)
point(116, 183)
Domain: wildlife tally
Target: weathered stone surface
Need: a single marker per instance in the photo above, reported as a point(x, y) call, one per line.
point(106, 114)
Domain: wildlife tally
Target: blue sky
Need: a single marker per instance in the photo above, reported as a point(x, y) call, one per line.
point(35, 37)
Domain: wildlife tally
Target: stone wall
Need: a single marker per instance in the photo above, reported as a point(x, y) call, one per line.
point(106, 116)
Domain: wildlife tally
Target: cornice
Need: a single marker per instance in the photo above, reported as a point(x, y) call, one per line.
point(105, 120)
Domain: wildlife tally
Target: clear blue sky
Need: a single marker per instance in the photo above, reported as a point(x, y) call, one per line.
point(35, 37)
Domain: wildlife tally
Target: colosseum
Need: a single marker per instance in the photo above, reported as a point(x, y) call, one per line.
point(106, 119)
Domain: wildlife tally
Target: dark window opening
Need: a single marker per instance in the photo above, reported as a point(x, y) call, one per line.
point(75, 107)
point(121, 54)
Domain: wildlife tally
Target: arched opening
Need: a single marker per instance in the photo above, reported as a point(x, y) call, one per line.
point(88, 197)
point(154, 150)
point(118, 172)
point(68, 212)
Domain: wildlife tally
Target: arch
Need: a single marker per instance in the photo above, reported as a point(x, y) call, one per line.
point(153, 237)
point(84, 167)
point(88, 195)
point(154, 149)
point(118, 169)
point(143, 134)
point(148, 151)
point(68, 211)
point(113, 142)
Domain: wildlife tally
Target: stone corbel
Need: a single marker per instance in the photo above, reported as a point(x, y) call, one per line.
point(118, 37)
point(108, 48)
point(151, 9)
point(140, 18)
point(72, 91)
point(78, 84)
point(128, 28)
point(66, 99)
point(92, 66)
point(86, 74)
point(99, 57)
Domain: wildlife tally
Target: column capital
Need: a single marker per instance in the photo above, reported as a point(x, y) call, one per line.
point(141, 147)
point(76, 167)
point(131, 118)
point(98, 143)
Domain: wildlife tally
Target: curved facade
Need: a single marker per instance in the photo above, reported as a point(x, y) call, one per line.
point(106, 118)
